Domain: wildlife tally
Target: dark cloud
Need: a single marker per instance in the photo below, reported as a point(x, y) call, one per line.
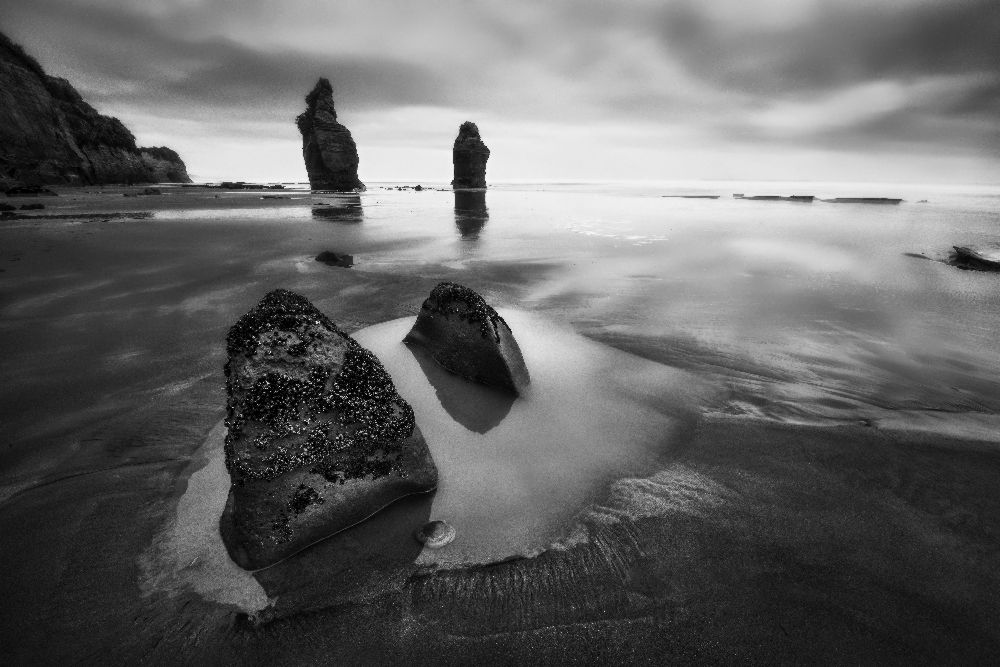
point(837, 46)
point(137, 58)
point(906, 75)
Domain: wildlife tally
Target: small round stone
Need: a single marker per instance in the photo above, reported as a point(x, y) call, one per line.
point(436, 534)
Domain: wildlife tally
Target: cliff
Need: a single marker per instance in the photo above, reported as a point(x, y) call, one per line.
point(50, 135)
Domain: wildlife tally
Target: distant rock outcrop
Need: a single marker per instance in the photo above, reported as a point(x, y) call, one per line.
point(327, 146)
point(318, 439)
point(469, 156)
point(50, 135)
point(463, 334)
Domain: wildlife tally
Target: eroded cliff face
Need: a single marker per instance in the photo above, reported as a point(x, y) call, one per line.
point(50, 135)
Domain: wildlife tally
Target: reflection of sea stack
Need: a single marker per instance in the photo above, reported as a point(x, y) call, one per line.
point(469, 156)
point(327, 147)
point(471, 213)
point(318, 438)
point(466, 336)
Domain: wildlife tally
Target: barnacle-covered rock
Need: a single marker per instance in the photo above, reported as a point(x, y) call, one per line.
point(318, 438)
point(463, 334)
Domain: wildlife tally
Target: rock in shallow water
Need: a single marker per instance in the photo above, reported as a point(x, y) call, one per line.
point(318, 438)
point(329, 151)
point(463, 334)
point(469, 156)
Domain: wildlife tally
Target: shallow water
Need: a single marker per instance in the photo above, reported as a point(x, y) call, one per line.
point(512, 487)
point(114, 328)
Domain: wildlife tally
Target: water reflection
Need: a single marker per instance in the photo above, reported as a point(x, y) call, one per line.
point(343, 208)
point(474, 406)
point(350, 564)
point(471, 213)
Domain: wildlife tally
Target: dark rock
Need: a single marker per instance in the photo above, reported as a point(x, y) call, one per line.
point(50, 135)
point(463, 334)
point(863, 200)
point(327, 146)
point(335, 259)
point(151, 191)
point(967, 258)
point(418, 188)
point(32, 207)
point(30, 191)
point(318, 437)
point(469, 156)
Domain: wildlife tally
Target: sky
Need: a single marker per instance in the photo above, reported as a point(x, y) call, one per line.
point(572, 90)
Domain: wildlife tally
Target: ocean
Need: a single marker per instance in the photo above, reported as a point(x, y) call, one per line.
point(656, 317)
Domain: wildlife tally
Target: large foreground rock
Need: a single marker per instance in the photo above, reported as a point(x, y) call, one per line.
point(318, 438)
point(50, 135)
point(463, 334)
point(469, 156)
point(327, 146)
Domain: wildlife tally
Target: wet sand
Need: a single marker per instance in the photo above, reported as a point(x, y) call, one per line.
point(752, 539)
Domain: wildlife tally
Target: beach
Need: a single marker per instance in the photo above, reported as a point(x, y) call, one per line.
point(808, 472)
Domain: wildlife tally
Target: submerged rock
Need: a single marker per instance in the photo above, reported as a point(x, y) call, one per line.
point(469, 156)
point(336, 259)
point(329, 151)
point(462, 333)
point(318, 438)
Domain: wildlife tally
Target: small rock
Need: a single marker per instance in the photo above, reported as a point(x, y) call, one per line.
point(436, 534)
point(335, 259)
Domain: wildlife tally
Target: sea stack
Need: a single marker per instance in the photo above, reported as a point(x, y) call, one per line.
point(464, 335)
point(318, 438)
point(469, 156)
point(327, 146)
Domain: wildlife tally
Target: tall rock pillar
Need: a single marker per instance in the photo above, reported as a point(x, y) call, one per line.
point(327, 146)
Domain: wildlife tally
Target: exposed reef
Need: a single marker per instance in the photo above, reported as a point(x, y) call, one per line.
point(968, 258)
point(469, 156)
point(328, 149)
point(336, 259)
point(318, 438)
point(50, 135)
point(463, 334)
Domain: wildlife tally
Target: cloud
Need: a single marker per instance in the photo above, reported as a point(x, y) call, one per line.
point(907, 76)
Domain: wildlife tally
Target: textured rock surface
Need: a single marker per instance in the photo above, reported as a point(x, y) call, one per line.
point(50, 135)
point(327, 146)
point(463, 334)
point(318, 439)
point(469, 156)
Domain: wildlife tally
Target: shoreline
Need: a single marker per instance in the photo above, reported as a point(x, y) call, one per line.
point(753, 540)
